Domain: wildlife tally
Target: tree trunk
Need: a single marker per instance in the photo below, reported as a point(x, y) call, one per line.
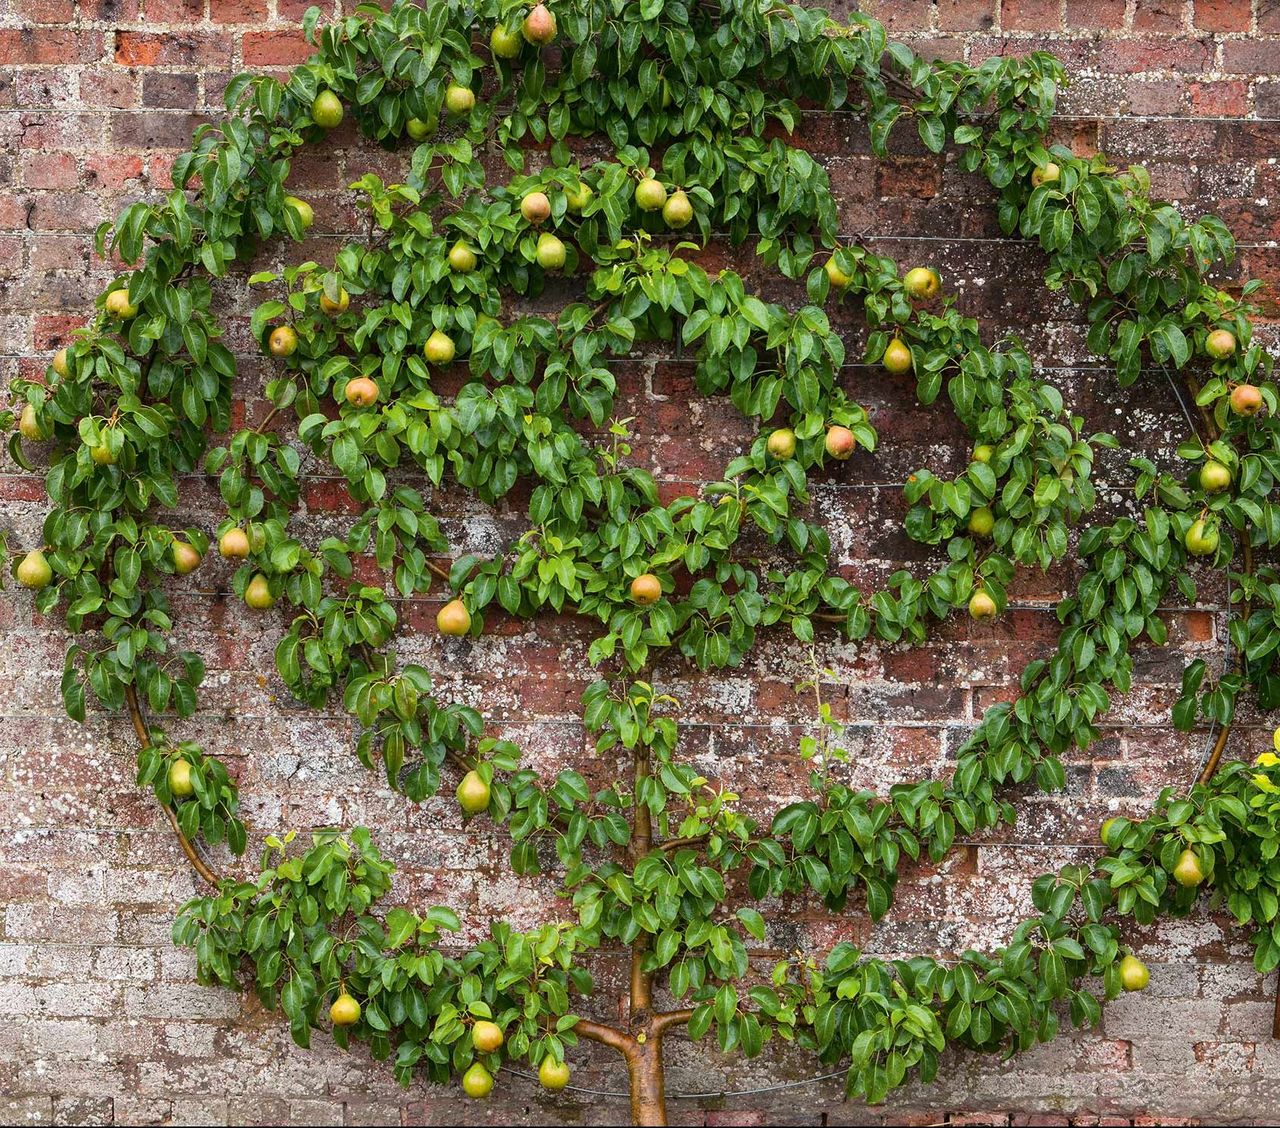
point(648, 1087)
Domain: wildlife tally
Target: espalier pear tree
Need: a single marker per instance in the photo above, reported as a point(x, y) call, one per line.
point(695, 105)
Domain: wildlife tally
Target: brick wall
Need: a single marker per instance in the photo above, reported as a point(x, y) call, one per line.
point(105, 1021)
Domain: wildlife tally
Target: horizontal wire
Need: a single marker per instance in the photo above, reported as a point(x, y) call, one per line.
point(718, 1094)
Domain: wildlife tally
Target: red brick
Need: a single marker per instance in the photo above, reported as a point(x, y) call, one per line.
point(1221, 15)
point(1251, 56)
point(967, 15)
point(900, 15)
point(49, 170)
point(1269, 16)
point(1095, 13)
point(144, 49)
point(1030, 15)
point(1158, 15)
point(49, 46)
point(237, 11)
point(275, 48)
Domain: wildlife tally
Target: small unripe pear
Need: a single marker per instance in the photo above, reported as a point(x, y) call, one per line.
point(503, 43)
point(103, 455)
point(1214, 477)
point(1246, 399)
point(551, 252)
point(477, 1082)
point(781, 444)
point(897, 358)
point(326, 110)
point(258, 593)
point(283, 341)
point(1047, 173)
point(462, 259)
point(922, 283)
point(181, 785)
point(553, 1075)
point(981, 605)
point(983, 453)
point(486, 1036)
point(1188, 872)
point(453, 619)
point(677, 212)
point(1220, 344)
point(981, 521)
point(332, 308)
point(118, 305)
point(345, 1011)
point(306, 213)
point(33, 571)
point(62, 363)
point(837, 277)
point(417, 129)
point(439, 348)
point(650, 194)
point(578, 198)
point(1134, 975)
point(1201, 538)
point(459, 99)
point(29, 424)
point(473, 793)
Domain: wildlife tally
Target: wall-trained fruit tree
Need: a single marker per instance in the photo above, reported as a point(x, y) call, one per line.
point(568, 166)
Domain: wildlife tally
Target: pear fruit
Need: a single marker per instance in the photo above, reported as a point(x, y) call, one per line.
point(332, 308)
point(781, 444)
point(33, 571)
point(677, 212)
point(503, 43)
point(453, 619)
point(921, 283)
point(650, 194)
point(345, 1011)
point(102, 454)
point(1201, 538)
point(185, 557)
point(837, 277)
point(462, 259)
point(1188, 872)
point(181, 785)
point(1047, 173)
point(486, 1036)
point(578, 198)
point(981, 605)
point(417, 129)
point(897, 358)
point(283, 341)
point(439, 348)
point(983, 453)
point(1214, 477)
point(362, 392)
point(118, 305)
point(473, 793)
point(234, 544)
point(1220, 344)
point(477, 1082)
point(459, 99)
point(646, 589)
point(62, 363)
point(1134, 975)
point(29, 424)
point(981, 521)
point(306, 214)
point(1246, 399)
point(258, 593)
point(551, 252)
point(326, 110)
point(840, 442)
point(536, 208)
point(553, 1075)
point(539, 26)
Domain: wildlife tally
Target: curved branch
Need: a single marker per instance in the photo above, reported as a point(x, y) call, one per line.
point(667, 1019)
point(606, 1036)
point(140, 727)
